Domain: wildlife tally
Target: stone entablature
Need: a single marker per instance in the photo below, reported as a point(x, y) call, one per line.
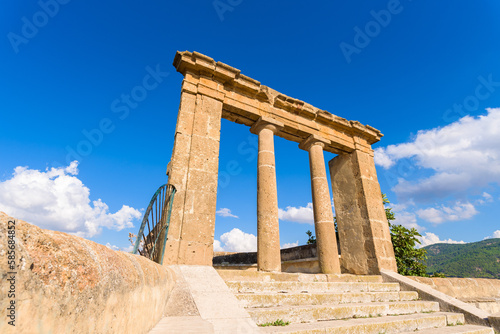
point(245, 100)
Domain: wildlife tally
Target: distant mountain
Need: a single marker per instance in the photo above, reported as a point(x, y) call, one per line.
point(477, 259)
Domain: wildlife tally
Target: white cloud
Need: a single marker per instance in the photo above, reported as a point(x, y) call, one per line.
point(217, 246)
point(487, 198)
point(225, 212)
point(460, 211)
point(303, 215)
point(383, 159)
point(431, 238)
point(128, 249)
point(56, 199)
point(496, 234)
point(290, 244)
point(236, 241)
point(113, 247)
point(464, 155)
point(405, 217)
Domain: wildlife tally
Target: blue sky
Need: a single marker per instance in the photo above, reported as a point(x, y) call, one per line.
point(426, 73)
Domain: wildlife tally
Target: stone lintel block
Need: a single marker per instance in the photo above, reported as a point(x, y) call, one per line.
point(313, 140)
point(266, 122)
point(189, 87)
point(324, 116)
point(193, 64)
point(371, 134)
point(247, 84)
point(204, 63)
point(213, 93)
point(295, 106)
point(308, 112)
point(208, 81)
point(183, 62)
point(225, 72)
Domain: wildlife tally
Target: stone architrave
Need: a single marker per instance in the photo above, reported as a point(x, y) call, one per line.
point(326, 241)
point(268, 238)
point(365, 239)
point(213, 90)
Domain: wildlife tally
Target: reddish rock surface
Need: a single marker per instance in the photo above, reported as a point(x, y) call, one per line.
point(67, 284)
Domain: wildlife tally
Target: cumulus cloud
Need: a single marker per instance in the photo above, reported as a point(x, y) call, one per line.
point(495, 235)
point(302, 215)
point(405, 217)
point(290, 244)
point(128, 249)
point(486, 198)
point(236, 241)
point(217, 246)
point(430, 238)
point(460, 211)
point(56, 199)
point(463, 155)
point(382, 158)
point(113, 247)
point(225, 212)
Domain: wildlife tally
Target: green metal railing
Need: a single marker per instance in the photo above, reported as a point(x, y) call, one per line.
point(156, 221)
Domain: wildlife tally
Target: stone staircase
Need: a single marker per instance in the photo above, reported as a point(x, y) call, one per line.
point(317, 303)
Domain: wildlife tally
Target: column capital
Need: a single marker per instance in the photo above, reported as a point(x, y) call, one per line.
point(307, 143)
point(265, 122)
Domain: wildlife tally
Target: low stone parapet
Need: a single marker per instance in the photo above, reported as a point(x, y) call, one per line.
point(60, 283)
point(495, 321)
point(484, 293)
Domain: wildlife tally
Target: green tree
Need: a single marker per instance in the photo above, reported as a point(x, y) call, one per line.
point(411, 261)
point(312, 238)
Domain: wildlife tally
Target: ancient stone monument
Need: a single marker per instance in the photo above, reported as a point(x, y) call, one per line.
point(213, 90)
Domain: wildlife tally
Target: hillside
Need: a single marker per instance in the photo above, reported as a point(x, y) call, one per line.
point(477, 259)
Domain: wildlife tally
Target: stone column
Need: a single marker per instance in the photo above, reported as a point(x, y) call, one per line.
point(268, 239)
point(326, 241)
point(365, 239)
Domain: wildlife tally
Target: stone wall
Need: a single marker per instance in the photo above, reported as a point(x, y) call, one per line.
point(483, 293)
point(67, 284)
point(287, 254)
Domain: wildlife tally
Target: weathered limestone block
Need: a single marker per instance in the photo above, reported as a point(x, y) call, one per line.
point(364, 235)
point(67, 284)
point(268, 238)
point(194, 172)
point(326, 240)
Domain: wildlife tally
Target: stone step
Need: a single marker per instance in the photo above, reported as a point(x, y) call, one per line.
point(295, 299)
point(336, 287)
point(298, 314)
point(403, 323)
point(259, 276)
point(465, 329)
